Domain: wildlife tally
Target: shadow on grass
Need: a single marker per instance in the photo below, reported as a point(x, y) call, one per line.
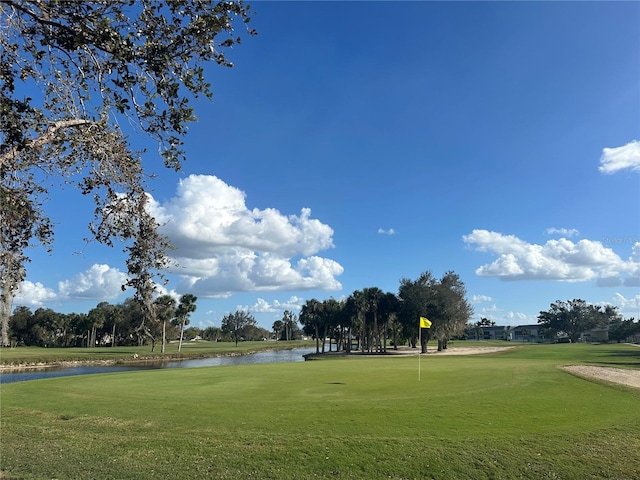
point(622, 358)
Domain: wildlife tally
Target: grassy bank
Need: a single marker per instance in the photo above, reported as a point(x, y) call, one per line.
point(495, 416)
point(200, 349)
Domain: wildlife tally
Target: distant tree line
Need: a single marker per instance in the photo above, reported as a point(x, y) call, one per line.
point(571, 320)
point(123, 324)
point(370, 319)
point(574, 317)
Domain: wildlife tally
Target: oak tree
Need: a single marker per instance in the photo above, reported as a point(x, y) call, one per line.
point(71, 73)
point(443, 301)
point(575, 316)
point(236, 324)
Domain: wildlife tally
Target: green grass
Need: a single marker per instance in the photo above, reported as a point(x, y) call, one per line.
point(26, 355)
point(495, 416)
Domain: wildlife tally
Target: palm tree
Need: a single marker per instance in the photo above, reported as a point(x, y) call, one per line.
point(373, 296)
point(289, 320)
point(311, 319)
point(389, 307)
point(331, 313)
point(186, 306)
point(277, 328)
point(356, 310)
point(166, 310)
point(116, 316)
point(96, 318)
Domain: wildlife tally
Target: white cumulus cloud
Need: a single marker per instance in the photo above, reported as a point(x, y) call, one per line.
point(621, 158)
point(567, 232)
point(480, 299)
point(519, 318)
point(34, 294)
point(628, 307)
point(261, 305)
point(559, 259)
point(506, 318)
point(390, 231)
point(100, 282)
point(222, 246)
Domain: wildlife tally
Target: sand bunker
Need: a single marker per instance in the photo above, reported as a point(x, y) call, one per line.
point(623, 376)
point(467, 350)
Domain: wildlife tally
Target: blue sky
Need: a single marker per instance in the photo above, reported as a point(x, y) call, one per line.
point(355, 144)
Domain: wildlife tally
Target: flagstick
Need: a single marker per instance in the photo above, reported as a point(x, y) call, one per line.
point(419, 346)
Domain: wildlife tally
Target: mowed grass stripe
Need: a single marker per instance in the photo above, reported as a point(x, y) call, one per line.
point(508, 415)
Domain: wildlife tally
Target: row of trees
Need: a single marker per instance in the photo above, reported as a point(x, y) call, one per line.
point(105, 324)
point(369, 319)
point(124, 324)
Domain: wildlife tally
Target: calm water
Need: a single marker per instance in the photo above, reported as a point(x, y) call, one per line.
point(280, 356)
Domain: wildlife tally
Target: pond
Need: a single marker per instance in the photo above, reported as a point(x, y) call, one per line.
point(279, 356)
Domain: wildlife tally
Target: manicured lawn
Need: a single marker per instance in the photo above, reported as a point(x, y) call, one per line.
point(495, 416)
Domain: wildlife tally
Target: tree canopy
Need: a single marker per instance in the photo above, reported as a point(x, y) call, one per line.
point(186, 306)
point(70, 74)
point(236, 324)
point(442, 301)
point(575, 316)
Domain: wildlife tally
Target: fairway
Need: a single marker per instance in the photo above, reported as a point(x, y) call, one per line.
point(504, 415)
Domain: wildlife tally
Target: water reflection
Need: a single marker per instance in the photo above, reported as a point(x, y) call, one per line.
point(280, 356)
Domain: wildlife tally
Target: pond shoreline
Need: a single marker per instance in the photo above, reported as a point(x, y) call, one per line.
point(132, 361)
point(135, 360)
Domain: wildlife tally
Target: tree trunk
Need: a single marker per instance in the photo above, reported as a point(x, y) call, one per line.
point(347, 339)
point(10, 283)
point(164, 334)
point(324, 339)
point(384, 337)
point(6, 302)
point(145, 333)
point(424, 340)
point(182, 333)
point(376, 333)
point(113, 335)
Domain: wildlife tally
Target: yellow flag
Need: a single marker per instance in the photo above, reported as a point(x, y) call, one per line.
point(424, 323)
